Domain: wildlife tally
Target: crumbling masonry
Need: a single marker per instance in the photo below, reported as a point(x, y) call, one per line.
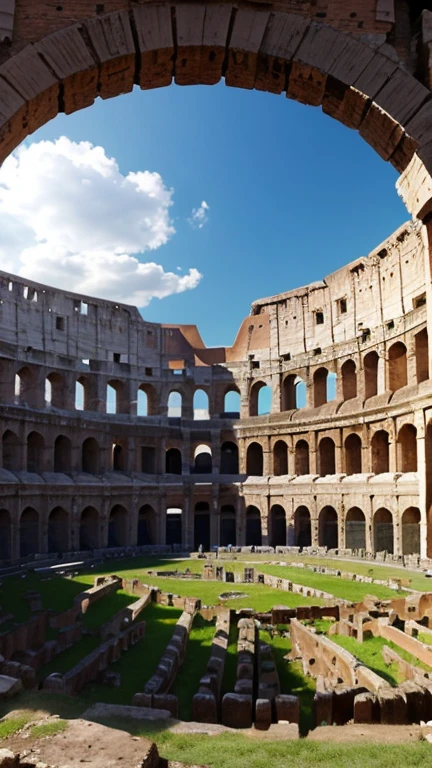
point(354, 472)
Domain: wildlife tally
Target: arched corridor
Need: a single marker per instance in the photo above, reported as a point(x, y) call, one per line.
point(328, 528)
point(253, 527)
point(302, 527)
point(355, 529)
point(383, 531)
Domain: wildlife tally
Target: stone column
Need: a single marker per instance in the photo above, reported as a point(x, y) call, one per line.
point(392, 447)
point(370, 544)
point(419, 421)
point(397, 527)
point(265, 514)
point(133, 521)
point(240, 522)
point(339, 459)
point(187, 521)
point(313, 463)
point(216, 451)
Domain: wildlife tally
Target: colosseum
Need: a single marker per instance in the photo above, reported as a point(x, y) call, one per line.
point(95, 452)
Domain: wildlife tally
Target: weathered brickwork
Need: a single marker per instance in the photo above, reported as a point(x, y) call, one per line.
point(350, 472)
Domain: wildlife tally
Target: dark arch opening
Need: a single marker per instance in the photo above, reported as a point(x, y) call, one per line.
point(328, 528)
point(118, 527)
point(355, 529)
point(370, 366)
point(11, 451)
point(90, 456)
point(89, 535)
point(326, 457)
point(254, 460)
point(228, 526)
point(397, 366)
point(349, 380)
point(5, 535)
point(58, 534)
point(380, 452)
point(302, 527)
point(253, 527)
point(229, 458)
point(29, 532)
point(302, 457)
point(35, 452)
point(173, 461)
point(202, 526)
point(278, 528)
point(147, 533)
point(353, 454)
point(411, 531)
point(407, 448)
point(280, 458)
point(62, 454)
point(383, 531)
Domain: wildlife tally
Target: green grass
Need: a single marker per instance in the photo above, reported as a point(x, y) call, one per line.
point(259, 597)
point(239, 751)
point(194, 666)
point(370, 653)
point(48, 729)
point(57, 593)
point(70, 657)
point(137, 665)
point(348, 590)
point(11, 725)
point(105, 609)
point(292, 679)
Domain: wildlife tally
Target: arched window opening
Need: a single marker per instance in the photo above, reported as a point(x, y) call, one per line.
point(328, 528)
point(353, 454)
point(228, 526)
point(302, 527)
point(202, 526)
point(11, 452)
point(89, 535)
point(81, 395)
point(280, 458)
point(201, 405)
point(278, 528)
point(370, 367)
point(326, 457)
point(5, 535)
point(302, 457)
point(253, 527)
point(349, 380)
point(422, 355)
point(90, 456)
point(147, 530)
point(173, 530)
point(55, 391)
point(380, 452)
point(383, 531)
point(142, 403)
point(29, 532)
point(331, 386)
point(320, 387)
point(411, 531)
point(114, 394)
point(407, 449)
point(35, 452)
point(229, 458)
point(117, 457)
point(147, 401)
point(26, 388)
point(148, 459)
point(62, 454)
point(260, 399)
point(174, 405)
point(232, 404)
point(397, 366)
point(202, 460)
point(355, 529)
point(173, 461)
point(58, 535)
point(118, 527)
point(254, 460)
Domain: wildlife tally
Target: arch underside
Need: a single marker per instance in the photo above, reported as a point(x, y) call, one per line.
point(363, 86)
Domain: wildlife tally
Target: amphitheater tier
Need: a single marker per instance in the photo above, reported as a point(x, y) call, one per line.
point(94, 455)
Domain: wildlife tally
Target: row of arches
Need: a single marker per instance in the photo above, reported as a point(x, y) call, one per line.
point(328, 529)
point(352, 463)
point(324, 382)
point(93, 533)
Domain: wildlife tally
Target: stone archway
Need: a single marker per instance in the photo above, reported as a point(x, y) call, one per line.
point(62, 63)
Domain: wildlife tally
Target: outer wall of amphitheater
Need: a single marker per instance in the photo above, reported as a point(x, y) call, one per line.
point(94, 454)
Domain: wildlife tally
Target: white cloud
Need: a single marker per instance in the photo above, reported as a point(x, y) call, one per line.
point(69, 218)
point(199, 216)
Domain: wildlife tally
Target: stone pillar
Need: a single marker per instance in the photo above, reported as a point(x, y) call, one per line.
point(419, 421)
point(291, 455)
point(366, 451)
point(242, 455)
point(397, 527)
point(288, 503)
point(267, 457)
point(275, 384)
point(370, 544)
point(313, 463)
point(341, 511)
point(216, 451)
point(186, 452)
point(392, 450)
point(43, 508)
point(339, 458)
point(265, 515)
point(382, 370)
point(133, 521)
point(104, 522)
point(75, 521)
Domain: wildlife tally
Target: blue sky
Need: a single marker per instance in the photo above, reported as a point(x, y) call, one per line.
point(292, 194)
